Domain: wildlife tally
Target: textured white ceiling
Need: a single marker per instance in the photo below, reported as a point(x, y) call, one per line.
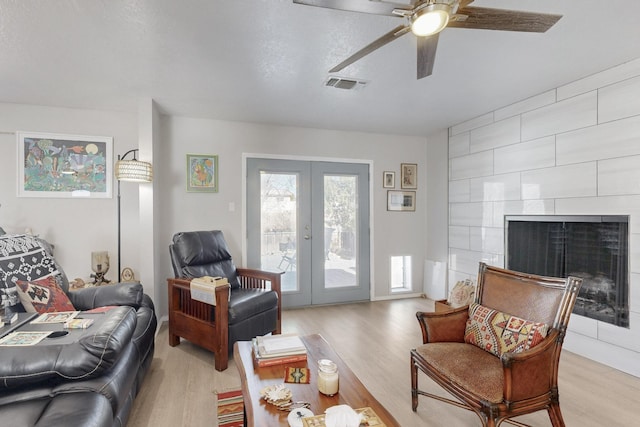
point(266, 60)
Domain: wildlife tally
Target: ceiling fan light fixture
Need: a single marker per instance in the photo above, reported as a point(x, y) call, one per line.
point(430, 20)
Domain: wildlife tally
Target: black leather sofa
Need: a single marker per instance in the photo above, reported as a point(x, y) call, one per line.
point(89, 377)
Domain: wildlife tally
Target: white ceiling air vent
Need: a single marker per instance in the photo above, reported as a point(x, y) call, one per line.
point(345, 83)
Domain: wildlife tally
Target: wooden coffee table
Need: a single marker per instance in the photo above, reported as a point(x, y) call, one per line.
point(259, 413)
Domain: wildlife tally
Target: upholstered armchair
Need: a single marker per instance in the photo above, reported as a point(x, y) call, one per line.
point(250, 305)
point(499, 356)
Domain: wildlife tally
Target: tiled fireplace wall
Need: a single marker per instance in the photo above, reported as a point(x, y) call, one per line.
point(573, 150)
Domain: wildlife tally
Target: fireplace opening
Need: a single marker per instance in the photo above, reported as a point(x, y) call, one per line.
point(595, 248)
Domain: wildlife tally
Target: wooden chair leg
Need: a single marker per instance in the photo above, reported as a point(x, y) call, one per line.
point(555, 415)
point(222, 360)
point(414, 386)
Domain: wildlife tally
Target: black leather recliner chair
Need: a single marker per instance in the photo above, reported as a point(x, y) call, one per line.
point(249, 306)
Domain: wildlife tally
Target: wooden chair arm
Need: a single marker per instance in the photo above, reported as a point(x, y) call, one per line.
point(529, 373)
point(222, 293)
point(252, 278)
point(447, 326)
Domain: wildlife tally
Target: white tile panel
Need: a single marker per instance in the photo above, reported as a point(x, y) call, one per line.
point(472, 124)
point(619, 100)
point(494, 135)
point(610, 205)
point(468, 261)
point(495, 188)
point(604, 78)
point(584, 326)
point(472, 165)
point(634, 293)
point(477, 214)
point(487, 239)
point(560, 182)
point(528, 104)
point(622, 337)
point(521, 207)
point(619, 176)
point(634, 253)
point(459, 237)
point(614, 139)
point(616, 357)
point(459, 191)
point(535, 154)
point(570, 114)
point(459, 145)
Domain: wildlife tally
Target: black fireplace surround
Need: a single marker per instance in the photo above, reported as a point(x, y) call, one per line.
point(595, 248)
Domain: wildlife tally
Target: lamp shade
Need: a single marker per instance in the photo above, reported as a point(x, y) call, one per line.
point(133, 170)
point(430, 20)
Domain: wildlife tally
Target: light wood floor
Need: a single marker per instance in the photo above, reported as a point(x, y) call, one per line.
point(374, 339)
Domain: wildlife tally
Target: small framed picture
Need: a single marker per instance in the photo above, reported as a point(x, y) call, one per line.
point(408, 175)
point(202, 173)
point(401, 200)
point(388, 179)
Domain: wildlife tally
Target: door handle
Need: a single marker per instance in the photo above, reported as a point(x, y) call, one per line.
point(307, 237)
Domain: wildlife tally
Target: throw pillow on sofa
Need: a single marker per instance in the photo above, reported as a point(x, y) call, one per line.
point(43, 296)
point(23, 257)
point(498, 332)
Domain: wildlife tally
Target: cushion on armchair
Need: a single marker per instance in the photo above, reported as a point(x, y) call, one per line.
point(499, 333)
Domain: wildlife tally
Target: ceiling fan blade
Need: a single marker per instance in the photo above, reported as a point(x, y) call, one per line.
point(363, 6)
point(426, 54)
point(387, 38)
point(484, 18)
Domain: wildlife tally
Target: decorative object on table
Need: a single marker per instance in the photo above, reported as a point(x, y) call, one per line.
point(462, 294)
point(401, 200)
point(369, 418)
point(409, 175)
point(132, 170)
point(202, 173)
point(126, 275)
point(58, 165)
point(278, 395)
point(388, 179)
point(296, 375)
point(230, 409)
point(78, 283)
point(328, 377)
point(296, 415)
point(100, 266)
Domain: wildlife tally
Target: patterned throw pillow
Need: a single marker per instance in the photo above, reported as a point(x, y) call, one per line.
point(499, 333)
point(43, 296)
point(22, 257)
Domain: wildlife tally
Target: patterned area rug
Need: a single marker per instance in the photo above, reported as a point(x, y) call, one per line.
point(230, 409)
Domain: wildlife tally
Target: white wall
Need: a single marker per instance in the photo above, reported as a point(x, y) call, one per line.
point(571, 150)
point(75, 226)
point(394, 232)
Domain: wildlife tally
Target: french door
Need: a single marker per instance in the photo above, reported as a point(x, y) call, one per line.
point(311, 221)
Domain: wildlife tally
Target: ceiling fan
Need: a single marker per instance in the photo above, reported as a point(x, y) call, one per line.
point(426, 18)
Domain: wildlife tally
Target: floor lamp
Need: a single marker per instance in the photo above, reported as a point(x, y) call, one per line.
point(130, 170)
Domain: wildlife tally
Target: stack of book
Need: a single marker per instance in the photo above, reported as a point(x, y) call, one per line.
point(278, 349)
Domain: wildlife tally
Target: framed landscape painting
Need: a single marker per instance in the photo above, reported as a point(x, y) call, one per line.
point(59, 165)
point(202, 173)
